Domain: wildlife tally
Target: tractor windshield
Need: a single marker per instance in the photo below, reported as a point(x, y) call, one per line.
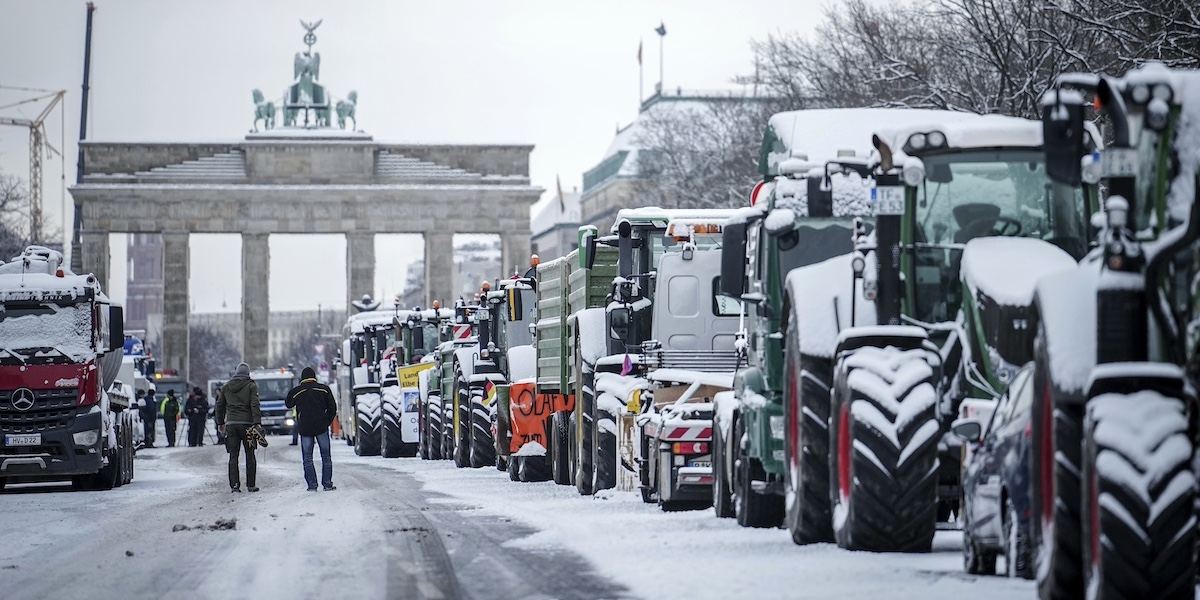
point(972, 194)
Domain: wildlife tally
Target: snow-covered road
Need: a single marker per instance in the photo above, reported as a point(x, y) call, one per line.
point(406, 528)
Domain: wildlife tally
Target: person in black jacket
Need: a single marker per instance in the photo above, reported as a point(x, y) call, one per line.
point(196, 410)
point(149, 416)
point(316, 409)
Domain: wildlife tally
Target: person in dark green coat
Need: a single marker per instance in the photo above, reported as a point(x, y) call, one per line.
point(170, 415)
point(237, 411)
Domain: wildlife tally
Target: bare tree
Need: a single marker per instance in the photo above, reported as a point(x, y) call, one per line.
point(13, 202)
point(211, 355)
point(701, 154)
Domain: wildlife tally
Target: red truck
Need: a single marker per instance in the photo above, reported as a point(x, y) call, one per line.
point(61, 342)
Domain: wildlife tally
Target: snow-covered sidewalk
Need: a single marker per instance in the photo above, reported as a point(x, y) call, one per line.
point(695, 554)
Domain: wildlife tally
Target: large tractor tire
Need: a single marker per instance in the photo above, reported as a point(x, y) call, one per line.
point(514, 468)
point(367, 424)
point(1018, 553)
point(722, 494)
point(1056, 492)
point(752, 508)
point(130, 447)
point(809, 517)
point(447, 411)
point(461, 425)
point(533, 468)
point(585, 430)
point(391, 444)
point(433, 425)
point(559, 447)
point(1139, 527)
point(605, 437)
point(483, 445)
point(884, 433)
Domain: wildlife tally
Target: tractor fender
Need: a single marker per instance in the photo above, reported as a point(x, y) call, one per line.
point(820, 298)
point(1065, 311)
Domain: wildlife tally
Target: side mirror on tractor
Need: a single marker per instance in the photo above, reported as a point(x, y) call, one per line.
point(1063, 135)
point(733, 260)
point(116, 327)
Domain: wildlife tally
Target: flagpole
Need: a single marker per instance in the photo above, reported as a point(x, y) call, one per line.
point(641, 76)
point(660, 63)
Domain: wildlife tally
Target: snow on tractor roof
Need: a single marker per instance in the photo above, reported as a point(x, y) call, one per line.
point(358, 321)
point(39, 272)
point(661, 216)
point(970, 131)
point(822, 135)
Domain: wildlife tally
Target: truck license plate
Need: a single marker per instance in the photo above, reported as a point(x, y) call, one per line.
point(30, 439)
point(701, 463)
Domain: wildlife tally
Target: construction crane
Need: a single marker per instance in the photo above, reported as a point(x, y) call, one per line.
point(38, 144)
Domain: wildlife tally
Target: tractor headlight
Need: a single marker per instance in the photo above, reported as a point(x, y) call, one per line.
point(858, 263)
point(914, 171)
point(936, 139)
point(1140, 93)
point(289, 422)
point(916, 141)
point(86, 438)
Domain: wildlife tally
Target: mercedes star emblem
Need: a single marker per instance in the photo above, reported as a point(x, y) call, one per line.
point(22, 399)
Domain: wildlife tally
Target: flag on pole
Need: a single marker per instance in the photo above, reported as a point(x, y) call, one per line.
point(661, 29)
point(562, 203)
point(639, 52)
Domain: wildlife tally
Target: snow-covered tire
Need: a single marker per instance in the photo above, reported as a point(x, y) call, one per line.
point(534, 468)
point(501, 464)
point(605, 459)
point(722, 497)
point(806, 443)
point(1018, 558)
point(447, 411)
point(461, 425)
point(751, 508)
point(483, 448)
point(514, 468)
point(391, 441)
point(884, 433)
point(367, 425)
point(433, 425)
point(559, 451)
point(1139, 524)
point(585, 429)
point(1055, 463)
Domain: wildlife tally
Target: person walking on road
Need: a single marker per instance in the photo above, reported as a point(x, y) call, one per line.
point(237, 411)
point(149, 417)
point(220, 434)
point(196, 410)
point(170, 416)
point(316, 409)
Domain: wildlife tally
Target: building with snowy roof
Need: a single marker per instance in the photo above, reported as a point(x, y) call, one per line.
point(554, 227)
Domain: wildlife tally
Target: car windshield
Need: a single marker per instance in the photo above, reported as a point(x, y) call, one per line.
point(33, 332)
point(273, 389)
point(967, 195)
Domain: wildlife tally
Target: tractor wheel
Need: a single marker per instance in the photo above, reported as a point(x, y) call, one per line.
point(976, 560)
point(433, 425)
point(645, 468)
point(1138, 520)
point(483, 448)
point(559, 451)
point(1055, 464)
point(447, 412)
point(514, 468)
point(884, 435)
point(722, 498)
point(367, 417)
point(534, 468)
point(461, 429)
point(752, 508)
point(391, 441)
point(806, 443)
point(584, 438)
point(605, 437)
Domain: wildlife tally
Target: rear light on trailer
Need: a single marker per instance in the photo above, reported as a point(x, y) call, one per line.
point(689, 448)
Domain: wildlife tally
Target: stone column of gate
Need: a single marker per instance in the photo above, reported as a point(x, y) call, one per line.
point(95, 256)
point(256, 300)
point(514, 253)
point(360, 267)
point(176, 267)
point(439, 268)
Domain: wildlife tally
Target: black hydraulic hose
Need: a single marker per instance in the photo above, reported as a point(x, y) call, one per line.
point(1154, 295)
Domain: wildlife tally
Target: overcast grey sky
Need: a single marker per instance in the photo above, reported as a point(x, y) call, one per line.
point(558, 74)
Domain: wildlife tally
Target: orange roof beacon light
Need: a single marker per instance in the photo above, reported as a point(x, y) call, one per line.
point(486, 286)
point(534, 261)
point(437, 304)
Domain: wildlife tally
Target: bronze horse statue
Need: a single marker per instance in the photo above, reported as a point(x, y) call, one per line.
point(345, 110)
point(264, 110)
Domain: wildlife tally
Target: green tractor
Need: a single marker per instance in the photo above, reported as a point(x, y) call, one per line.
point(930, 308)
point(1114, 407)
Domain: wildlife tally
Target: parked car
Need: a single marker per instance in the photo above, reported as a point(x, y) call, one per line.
point(996, 484)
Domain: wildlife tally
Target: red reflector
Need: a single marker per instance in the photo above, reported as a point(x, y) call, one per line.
point(689, 448)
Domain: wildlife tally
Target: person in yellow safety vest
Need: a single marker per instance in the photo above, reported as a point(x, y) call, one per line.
point(295, 427)
point(169, 409)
